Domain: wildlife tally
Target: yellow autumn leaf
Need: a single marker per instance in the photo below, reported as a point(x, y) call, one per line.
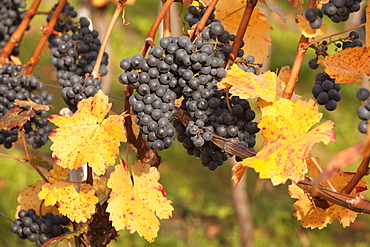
point(287, 140)
point(307, 30)
point(28, 199)
point(349, 65)
point(257, 38)
point(77, 206)
point(137, 203)
point(87, 137)
point(247, 85)
point(311, 216)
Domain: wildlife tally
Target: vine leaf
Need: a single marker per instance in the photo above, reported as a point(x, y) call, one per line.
point(287, 141)
point(349, 65)
point(135, 203)
point(311, 216)
point(86, 137)
point(77, 206)
point(307, 30)
point(248, 85)
point(32, 105)
point(15, 117)
point(28, 199)
point(257, 34)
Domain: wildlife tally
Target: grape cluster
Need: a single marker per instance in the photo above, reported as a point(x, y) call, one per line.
point(339, 10)
point(196, 13)
point(214, 33)
point(314, 16)
point(229, 118)
point(354, 42)
point(16, 85)
point(326, 91)
point(74, 53)
point(10, 18)
point(364, 110)
point(39, 229)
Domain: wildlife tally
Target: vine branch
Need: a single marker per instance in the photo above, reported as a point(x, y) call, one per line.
point(167, 22)
point(120, 7)
point(151, 34)
point(46, 32)
point(202, 22)
point(242, 28)
point(18, 34)
point(362, 170)
point(297, 64)
point(27, 155)
point(14, 158)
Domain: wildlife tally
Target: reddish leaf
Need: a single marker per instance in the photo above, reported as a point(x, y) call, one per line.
point(15, 117)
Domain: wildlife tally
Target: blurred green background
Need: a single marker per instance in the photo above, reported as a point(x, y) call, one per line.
point(204, 209)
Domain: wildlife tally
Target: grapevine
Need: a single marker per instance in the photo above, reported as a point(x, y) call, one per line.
point(207, 90)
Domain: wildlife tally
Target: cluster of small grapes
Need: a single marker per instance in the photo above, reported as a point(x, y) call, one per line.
point(196, 13)
point(74, 53)
point(314, 16)
point(248, 65)
point(234, 125)
point(321, 48)
point(214, 33)
point(354, 42)
point(39, 229)
point(10, 18)
point(339, 10)
point(363, 111)
point(326, 91)
point(156, 91)
point(15, 85)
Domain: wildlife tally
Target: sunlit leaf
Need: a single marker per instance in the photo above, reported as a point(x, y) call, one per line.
point(311, 216)
point(87, 137)
point(349, 65)
point(247, 85)
point(257, 38)
point(77, 206)
point(28, 199)
point(136, 204)
point(287, 141)
point(307, 30)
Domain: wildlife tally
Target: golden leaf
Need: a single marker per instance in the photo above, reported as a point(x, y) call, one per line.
point(287, 140)
point(349, 65)
point(136, 203)
point(77, 206)
point(247, 85)
point(86, 137)
point(307, 30)
point(257, 38)
point(311, 216)
point(28, 199)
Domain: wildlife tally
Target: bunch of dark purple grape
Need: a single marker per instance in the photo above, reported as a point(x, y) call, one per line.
point(326, 91)
point(11, 16)
point(339, 10)
point(74, 54)
point(39, 229)
point(16, 85)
